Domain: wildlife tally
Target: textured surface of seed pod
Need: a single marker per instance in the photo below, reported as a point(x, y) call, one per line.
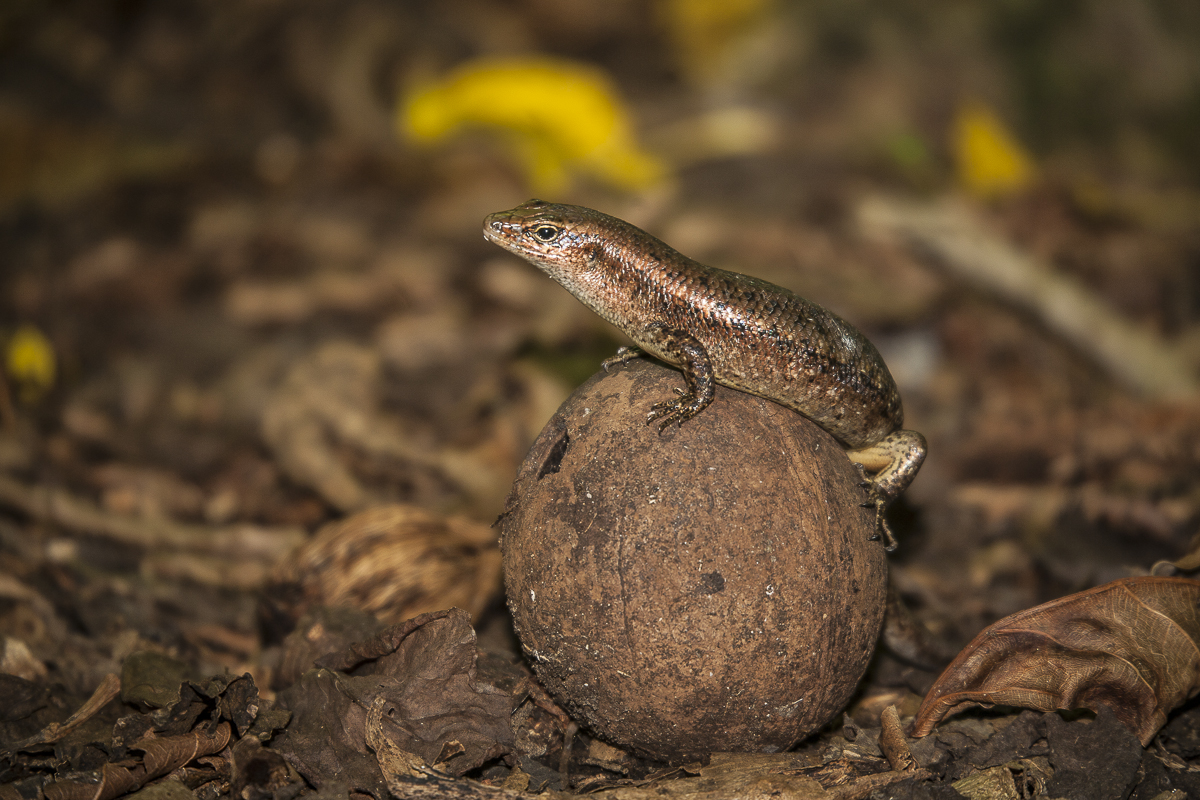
point(710, 589)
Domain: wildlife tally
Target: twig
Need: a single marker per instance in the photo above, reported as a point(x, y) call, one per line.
point(893, 744)
point(109, 688)
point(238, 542)
point(564, 760)
point(1132, 354)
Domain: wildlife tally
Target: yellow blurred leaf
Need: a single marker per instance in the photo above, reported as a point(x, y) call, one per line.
point(989, 159)
point(558, 116)
point(29, 359)
point(703, 31)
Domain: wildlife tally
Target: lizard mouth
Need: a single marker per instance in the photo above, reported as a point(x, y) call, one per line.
point(497, 228)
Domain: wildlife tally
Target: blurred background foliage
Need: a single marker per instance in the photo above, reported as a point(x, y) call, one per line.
point(154, 154)
point(1100, 93)
point(193, 183)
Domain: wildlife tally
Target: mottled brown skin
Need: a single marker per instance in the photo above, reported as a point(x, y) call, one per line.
point(723, 327)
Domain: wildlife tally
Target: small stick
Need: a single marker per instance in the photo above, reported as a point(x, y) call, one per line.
point(893, 744)
point(962, 245)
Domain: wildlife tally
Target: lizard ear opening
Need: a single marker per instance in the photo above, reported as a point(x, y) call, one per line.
point(591, 254)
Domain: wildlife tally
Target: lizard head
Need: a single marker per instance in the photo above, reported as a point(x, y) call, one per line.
point(564, 241)
point(595, 257)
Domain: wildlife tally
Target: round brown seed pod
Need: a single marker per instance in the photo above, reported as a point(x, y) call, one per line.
point(710, 589)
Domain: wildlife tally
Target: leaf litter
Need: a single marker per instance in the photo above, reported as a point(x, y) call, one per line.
point(266, 314)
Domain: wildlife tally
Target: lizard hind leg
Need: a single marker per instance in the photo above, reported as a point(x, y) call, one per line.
point(894, 462)
point(881, 530)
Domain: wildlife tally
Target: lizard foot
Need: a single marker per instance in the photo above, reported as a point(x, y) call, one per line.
point(676, 411)
point(882, 527)
point(624, 356)
point(878, 499)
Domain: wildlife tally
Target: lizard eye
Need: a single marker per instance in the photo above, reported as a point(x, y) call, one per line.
point(546, 233)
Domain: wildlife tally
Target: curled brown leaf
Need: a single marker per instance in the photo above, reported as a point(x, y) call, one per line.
point(1132, 645)
point(114, 781)
point(168, 753)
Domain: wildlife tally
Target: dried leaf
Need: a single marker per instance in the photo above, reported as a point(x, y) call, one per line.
point(171, 752)
point(588, 129)
point(709, 36)
point(114, 782)
point(1132, 645)
point(393, 759)
point(239, 703)
point(326, 740)
point(106, 691)
point(170, 789)
point(29, 358)
point(435, 707)
point(413, 686)
point(990, 160)
point(151, 679)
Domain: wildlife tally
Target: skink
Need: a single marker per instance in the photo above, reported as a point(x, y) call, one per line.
point(727, 328)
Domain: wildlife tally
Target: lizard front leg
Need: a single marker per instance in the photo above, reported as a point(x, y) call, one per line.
point(684, 350)
point(894, 461)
